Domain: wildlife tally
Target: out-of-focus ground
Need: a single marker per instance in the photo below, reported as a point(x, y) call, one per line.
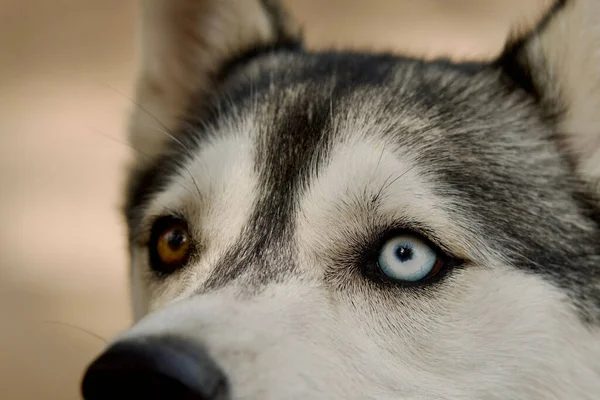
point(66, 73)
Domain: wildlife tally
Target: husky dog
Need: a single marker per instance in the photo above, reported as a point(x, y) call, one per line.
point(337, 225)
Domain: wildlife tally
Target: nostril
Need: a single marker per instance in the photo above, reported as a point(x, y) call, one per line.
point(154, 368)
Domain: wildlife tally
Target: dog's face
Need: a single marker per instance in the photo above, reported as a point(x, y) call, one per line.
point(347, 226)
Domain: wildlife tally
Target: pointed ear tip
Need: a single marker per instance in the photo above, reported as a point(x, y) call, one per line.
point(527, 25)
point(284, 21)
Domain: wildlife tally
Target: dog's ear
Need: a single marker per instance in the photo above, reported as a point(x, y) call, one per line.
point(184, 44)
point(558, 62)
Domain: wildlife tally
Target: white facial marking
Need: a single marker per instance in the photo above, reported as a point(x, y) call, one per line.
point(214, 192)
point(361, 171)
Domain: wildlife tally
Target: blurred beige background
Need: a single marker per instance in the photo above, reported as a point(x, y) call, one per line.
point(66, 72)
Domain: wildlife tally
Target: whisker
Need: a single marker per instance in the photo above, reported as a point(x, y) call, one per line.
point(378, 161)
point(540, 266)
point(382, 188)
point(78, 328)
point(389, 182)
point(125, 143)
point(139, 106)
point(331, 93)
point(195, 183)
point(165, 130)
point(399, 176)
point(188, 153)
point(170, 136)
point(331, 119)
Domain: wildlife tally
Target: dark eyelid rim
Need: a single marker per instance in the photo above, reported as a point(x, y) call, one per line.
point(142, 235)
point(369, 265)
point(418, 229)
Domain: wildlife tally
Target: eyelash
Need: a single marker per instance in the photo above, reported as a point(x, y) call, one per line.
point(143, 235)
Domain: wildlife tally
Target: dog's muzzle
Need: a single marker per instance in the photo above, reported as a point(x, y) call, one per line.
point(154, 368)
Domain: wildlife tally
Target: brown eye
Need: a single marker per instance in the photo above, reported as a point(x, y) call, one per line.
point(170, 245)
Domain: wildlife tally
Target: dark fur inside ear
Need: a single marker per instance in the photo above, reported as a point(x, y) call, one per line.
point(253, 53)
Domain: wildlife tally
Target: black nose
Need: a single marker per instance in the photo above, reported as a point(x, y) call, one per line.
point(157, 368)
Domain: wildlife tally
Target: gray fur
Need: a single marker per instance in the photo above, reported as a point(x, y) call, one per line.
point(487, 144)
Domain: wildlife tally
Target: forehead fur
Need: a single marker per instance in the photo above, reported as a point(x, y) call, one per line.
point(483, 144)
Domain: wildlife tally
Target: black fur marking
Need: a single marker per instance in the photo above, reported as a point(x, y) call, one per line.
point(517, 72)
point(244, 58)
point(289, 148)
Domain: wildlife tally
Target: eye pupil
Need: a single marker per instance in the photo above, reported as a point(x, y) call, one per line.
point(404, 253)
point(175, 239)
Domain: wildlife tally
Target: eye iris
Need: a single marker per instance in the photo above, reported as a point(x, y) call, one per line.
point(408, 258)
point(173, 245)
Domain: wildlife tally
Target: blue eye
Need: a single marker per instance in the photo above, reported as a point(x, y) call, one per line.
point(408, 258)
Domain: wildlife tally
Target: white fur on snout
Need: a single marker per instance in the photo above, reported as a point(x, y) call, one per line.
point(493, 335)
